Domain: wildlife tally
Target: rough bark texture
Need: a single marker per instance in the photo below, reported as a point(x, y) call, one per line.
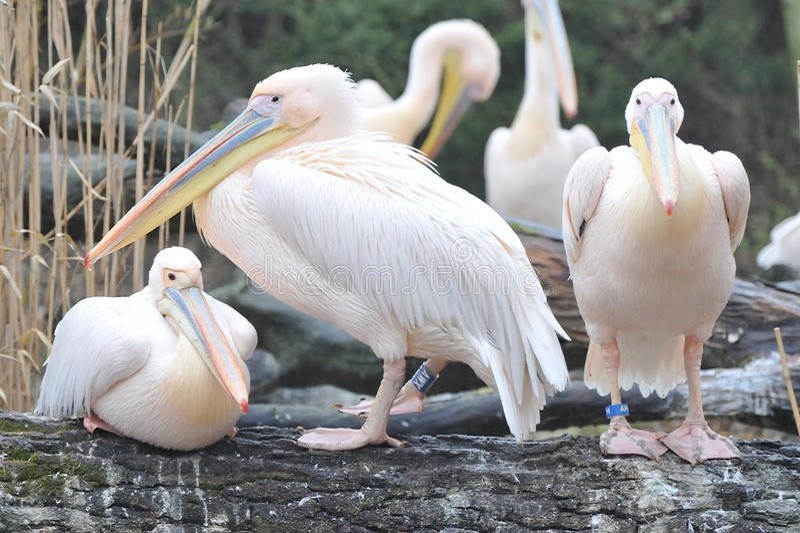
point(55, 476)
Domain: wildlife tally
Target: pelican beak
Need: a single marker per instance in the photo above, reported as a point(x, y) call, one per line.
point(192, 314)
point(456, 98)
point(246, 137)
point(556, 34)
point(654, 138)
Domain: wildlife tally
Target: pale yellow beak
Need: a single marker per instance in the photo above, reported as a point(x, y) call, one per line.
point(192, 314)
point(654, 138)
point(562, 57)
point(246, 137)
point(454, 101)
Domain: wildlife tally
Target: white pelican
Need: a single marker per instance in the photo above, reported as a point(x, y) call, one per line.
point(784, 246)
point(357, 230)
point(650, 231)
point(470, 60)
point(525, 166)
point(163, 366)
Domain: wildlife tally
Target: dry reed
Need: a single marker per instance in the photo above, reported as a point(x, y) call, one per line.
point(42, 69)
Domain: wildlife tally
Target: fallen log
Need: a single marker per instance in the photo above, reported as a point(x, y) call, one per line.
point(55, 476)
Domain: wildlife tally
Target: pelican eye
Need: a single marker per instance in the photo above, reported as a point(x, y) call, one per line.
point(171, 276)
point(638, 101)
point(275, 99)
point(672, 102)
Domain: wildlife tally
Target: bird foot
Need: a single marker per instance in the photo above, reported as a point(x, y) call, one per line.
point(93, 422)
point(622, 439)
point(695, 442)
point(408, 400)
point(337, 439)
point(232, 432)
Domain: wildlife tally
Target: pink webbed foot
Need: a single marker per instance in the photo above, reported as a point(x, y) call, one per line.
point(695, 442)
point(622, 439)
point(93, 422)
point(408, 400)
point(338, 439)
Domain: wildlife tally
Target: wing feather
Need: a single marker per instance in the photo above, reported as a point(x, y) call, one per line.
point(735, 187)
point(96, 345)
point(582, 192)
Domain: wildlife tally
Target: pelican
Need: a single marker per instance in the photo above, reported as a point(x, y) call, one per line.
point(525, 166)
point(470, 60)
point(357, 230)
point(784, 246)
point(649, 231)
point(163, 366)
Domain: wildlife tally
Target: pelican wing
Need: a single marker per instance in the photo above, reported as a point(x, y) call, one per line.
point(582, 193)
point(96, 344)
point(735, 192)
point(442, 257)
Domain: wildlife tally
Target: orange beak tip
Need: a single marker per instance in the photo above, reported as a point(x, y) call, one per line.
point(669, 205)
point(87, 263)
point(244, 404)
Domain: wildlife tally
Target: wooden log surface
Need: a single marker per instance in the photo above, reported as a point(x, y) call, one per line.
point(54, 476)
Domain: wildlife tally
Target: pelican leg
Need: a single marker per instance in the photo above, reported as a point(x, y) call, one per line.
point(694, 441)
point(374, 429)
point(409, 400)
point(93, 422)
point(621, 438)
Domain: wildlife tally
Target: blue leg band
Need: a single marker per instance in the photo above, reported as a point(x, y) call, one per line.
point(423, 380)
point(617, 409)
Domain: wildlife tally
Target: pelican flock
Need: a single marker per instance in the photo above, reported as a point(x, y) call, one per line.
point(526, 165)
point(309, 206)
point(453, 63)
point(650, 231)
point(164, 366)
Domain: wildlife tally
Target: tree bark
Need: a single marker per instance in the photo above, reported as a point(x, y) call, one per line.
point(55, 476)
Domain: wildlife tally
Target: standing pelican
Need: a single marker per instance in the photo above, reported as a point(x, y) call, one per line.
point(650, 231)
point(470, 60)
point(784, 246)
point(358, 231)
point(526, 165)
point(163, 366)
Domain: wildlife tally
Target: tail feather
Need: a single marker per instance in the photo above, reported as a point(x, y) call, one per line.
point(653, 363)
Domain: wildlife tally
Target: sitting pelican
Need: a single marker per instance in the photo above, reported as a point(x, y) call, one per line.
point(525, 166)
point(784, 246)
point(357, 230)
point(650, 231)
point(163, 366)
point(470, 60)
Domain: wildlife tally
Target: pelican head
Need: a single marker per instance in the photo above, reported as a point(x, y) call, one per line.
point(290, 107)
point(177, 286)
point(545, 24)
point(653, 115)
point(471, 63)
